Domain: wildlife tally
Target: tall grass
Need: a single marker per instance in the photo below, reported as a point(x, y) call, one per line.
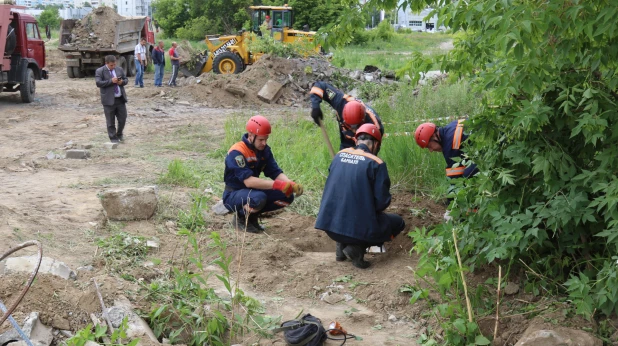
point(392, 54)
point(300, 151)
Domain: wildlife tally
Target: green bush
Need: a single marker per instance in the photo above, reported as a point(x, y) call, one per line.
point(268, 45)
point(384, 31)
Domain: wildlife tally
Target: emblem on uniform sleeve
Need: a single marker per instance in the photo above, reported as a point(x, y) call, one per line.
point(330, 93)
point(240, 161)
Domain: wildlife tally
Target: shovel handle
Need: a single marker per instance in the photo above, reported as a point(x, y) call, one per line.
point(327, 140)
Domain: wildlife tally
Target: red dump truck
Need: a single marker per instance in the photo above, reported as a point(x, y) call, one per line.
point(23, 52)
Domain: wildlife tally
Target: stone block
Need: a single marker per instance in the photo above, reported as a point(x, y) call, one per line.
point(557, 336)
point(78, 154)
point(49, 265)
point(130, 203)
point(271, 91)
point(81, 126)
point(38, 333)
point(111, 145)
point(236, 90)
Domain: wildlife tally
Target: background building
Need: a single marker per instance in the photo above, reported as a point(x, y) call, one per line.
point(129, 8)
point(417, 22)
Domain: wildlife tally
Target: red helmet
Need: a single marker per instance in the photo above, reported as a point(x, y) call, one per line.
point(423, 134)
point(258, 125)
point(371, 130)
point(354, 113)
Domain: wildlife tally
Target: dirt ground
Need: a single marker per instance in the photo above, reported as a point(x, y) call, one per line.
point(290, 268)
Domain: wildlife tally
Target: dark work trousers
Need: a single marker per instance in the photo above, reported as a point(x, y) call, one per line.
point(174, 75)
point(260, 200)
point(390, 226)
point(117, 111)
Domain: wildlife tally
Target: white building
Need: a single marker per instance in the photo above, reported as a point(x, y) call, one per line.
point(130, 8)
point(418, 21)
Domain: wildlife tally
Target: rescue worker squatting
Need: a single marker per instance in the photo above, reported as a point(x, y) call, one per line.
point(245, 193)
point(351, 113)
point(355, 197)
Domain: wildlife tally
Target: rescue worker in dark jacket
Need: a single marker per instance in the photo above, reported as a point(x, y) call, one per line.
point(448, 140)
point(355, 197)
point(351, 113)
point(245, 193)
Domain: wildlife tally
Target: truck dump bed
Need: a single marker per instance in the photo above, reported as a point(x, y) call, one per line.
point(124, 37)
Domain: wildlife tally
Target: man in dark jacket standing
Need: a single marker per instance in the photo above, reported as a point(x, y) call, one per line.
point(111, 81)
point(355, 197)
point(158, 59)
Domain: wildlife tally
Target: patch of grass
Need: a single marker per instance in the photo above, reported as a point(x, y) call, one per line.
point(389, 55)
point(121, 251)
point(181, 173)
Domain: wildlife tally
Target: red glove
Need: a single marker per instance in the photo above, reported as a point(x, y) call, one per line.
point(287, 187)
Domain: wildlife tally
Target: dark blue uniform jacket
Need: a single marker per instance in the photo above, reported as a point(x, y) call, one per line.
point(337, 99)
point(244, 161)
point(357, 188)
point(158, 57)
point(452, 136)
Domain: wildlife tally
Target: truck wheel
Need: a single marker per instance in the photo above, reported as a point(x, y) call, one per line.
point(78, 73)
point(122, 63)
point(27, 88)
point(70, 72)
point(132, 71)
point(227, 63)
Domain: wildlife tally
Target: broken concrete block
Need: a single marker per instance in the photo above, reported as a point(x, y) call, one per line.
point(271, 91)
point(236, 90)
point(86, 146)
point(111, 146)
point(558, 336)
point(81, 126)
point(79, 154)
point(50, 155)
point(37, 332)
point(183, 103)
point(12, 120)
point(137, 327)
point(152, 244)
point(130, 203)
point(27, 264)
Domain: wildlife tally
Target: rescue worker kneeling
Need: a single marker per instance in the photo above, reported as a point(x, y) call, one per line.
point(245, 193)
point(355, 197)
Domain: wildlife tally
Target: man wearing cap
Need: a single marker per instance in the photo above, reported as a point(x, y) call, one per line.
point(351, 113)
point(246, 194)
point(360, 178)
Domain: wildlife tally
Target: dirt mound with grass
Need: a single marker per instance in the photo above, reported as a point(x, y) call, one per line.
point(295, 74)
point(97, 29)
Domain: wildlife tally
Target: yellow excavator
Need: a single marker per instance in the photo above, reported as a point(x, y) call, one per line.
point(230, 54)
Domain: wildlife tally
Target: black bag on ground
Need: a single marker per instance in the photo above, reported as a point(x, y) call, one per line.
point(306, 331)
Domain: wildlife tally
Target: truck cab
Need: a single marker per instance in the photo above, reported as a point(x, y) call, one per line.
point(23, 52)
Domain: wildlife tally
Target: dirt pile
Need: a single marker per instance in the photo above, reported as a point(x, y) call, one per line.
point(296, 76)
point(97, 29)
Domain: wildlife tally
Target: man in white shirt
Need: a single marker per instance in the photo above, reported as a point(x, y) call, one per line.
point(140, 62)
point(111, 81)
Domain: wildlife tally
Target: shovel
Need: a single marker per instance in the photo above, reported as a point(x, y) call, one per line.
point(327, 140)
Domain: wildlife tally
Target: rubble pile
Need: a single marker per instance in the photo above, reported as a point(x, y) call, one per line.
point(97, 29)
point(274, 80)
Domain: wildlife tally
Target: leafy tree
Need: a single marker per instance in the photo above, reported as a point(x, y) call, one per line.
point(87, 4)
point(171, 15)
point(50, 16)
point(545, 138)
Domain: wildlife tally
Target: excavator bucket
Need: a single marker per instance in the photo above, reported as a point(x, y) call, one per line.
point(194, 66)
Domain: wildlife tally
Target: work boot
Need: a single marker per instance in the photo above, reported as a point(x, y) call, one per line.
point(239, 223)
point(253, 220)
point(339, 255)
point(356, 254)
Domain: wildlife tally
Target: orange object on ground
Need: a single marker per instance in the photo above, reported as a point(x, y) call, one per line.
point(335, 328)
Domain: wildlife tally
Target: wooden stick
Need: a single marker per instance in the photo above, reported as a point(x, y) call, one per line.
point(327, 140)
point(105, 315)
point(468, 305)
point(498, 303)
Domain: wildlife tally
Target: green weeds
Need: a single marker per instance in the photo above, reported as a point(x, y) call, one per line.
point(99, 335)
point(181, 173)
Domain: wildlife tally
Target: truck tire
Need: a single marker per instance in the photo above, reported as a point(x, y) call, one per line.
point(28, 88)
point(78, 73)
point(228, 63)
point(132, 69)
point(122, 63)
point(70, 72)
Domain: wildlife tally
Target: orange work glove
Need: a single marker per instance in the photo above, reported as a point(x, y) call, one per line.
point(284, 186)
